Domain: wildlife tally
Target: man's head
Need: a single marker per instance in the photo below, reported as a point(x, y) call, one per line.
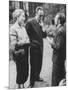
point(39, 13)
point(60, 19)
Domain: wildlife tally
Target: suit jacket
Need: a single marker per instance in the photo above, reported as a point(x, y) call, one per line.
point(18, 34)
point(59, 56)
point(35, 33)
point(59, 44)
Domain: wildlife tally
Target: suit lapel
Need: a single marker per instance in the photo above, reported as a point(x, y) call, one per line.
point(37, 27)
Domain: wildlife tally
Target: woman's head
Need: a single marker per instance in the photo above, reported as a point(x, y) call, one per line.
point(19, 15)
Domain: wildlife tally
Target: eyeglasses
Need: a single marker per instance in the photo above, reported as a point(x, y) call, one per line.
point(41, 15)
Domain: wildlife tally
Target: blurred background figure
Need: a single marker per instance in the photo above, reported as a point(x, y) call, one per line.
point(51, 29)
point(19, 45)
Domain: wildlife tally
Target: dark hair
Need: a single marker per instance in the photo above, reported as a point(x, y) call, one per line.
point(53, 22)
point(62, 20)
point(39, 8)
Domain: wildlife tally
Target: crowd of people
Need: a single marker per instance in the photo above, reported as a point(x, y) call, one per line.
point(27, 41)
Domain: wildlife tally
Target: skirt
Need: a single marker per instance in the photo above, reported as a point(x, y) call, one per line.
point(21, 61)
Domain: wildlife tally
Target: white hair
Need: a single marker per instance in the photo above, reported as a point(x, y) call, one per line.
point(17, 13)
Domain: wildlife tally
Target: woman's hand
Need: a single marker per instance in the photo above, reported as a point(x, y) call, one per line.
point(20, 51)
point(20, 43)
point(23, 42)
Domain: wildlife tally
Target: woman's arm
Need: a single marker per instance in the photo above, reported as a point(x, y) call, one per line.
point(13, 38)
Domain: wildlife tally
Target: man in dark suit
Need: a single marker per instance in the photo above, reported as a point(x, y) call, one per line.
point(35, 33)
point(59, 50)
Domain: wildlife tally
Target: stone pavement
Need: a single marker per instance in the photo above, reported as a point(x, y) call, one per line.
point(46, 70)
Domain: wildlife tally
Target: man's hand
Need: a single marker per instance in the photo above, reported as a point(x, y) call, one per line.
point(50, 40)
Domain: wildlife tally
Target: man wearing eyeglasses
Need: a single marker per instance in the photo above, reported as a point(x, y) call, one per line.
point(34, 31)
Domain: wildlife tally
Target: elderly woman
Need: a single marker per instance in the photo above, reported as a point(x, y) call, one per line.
point(19, 43)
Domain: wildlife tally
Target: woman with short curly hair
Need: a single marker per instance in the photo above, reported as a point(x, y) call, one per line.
point(19, 43)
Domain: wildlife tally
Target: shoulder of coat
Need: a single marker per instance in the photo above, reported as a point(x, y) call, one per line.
point(30, 20)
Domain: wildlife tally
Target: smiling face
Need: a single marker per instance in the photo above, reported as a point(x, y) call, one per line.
point(21, 18)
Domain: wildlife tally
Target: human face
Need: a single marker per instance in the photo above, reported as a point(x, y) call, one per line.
point(40, 15)
point(21, 18)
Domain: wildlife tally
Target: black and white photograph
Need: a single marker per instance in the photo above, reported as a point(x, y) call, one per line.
point(37, 44)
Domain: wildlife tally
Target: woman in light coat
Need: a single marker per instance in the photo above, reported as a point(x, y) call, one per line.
point(19, 44)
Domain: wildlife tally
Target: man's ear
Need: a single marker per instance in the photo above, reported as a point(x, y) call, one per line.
point(58, 21)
